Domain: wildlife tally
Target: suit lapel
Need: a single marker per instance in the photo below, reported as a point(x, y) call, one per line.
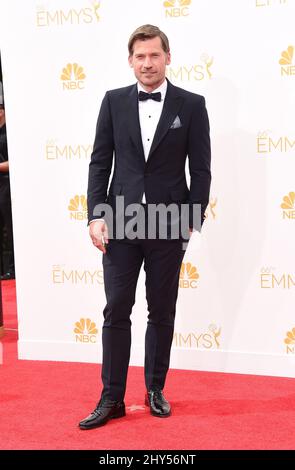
point(132, 117)
point(172, 105)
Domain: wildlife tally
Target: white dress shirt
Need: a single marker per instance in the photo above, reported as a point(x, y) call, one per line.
point(149, 116)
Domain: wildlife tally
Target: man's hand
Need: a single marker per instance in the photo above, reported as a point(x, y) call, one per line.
point(98, 232)
point(4, 167)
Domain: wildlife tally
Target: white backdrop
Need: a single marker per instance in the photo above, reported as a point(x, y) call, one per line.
point(236, 298)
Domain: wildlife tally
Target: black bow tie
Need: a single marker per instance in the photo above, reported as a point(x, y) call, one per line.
point(142, 96)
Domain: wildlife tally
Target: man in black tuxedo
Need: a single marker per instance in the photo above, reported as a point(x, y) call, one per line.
point(150, 128)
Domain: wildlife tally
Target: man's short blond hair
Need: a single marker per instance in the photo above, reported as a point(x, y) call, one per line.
point(148, 31)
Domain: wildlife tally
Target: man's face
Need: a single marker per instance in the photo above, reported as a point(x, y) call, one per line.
point(149, 62)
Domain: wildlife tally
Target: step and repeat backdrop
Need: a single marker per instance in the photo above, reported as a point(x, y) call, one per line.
point(236, 305)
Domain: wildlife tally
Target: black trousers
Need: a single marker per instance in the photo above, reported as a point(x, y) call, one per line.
point(162, 262)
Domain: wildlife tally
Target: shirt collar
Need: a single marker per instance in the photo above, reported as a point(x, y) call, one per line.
point(162, 89)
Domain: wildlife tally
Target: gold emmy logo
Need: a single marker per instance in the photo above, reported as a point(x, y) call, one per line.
point(271, 280)
point(290, 341)
point(267, 145)
point(288, 206)
point(96, 6)
point(62, 275)
point(85, 331)
point(286, 62)
point(67, 152)
point(58, 18)
point(207, 339)
point(78, 208)
point(176, 8)
point(216, 333)
point(195, 72)
point(73, 77)
point(188, 276)
point(211, 209)
point(208, 63)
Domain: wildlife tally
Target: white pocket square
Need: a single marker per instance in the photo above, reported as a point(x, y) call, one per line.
point(176, 123)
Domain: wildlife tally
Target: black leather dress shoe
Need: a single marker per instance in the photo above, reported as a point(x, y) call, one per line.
point(104, 411)
point(7, 276)
point(159, 406)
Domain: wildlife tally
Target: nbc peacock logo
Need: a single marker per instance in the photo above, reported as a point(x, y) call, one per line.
point(72, 77)
point(290, 341)
point(78, 208)
point(188, 276)
point(176, 8)
point(85, 331)
point(286, 62)
point(288, 206)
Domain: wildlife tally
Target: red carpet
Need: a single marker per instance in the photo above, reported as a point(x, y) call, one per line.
point(42, 402)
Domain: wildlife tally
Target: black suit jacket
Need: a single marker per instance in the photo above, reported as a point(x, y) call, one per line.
point(162, 176)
